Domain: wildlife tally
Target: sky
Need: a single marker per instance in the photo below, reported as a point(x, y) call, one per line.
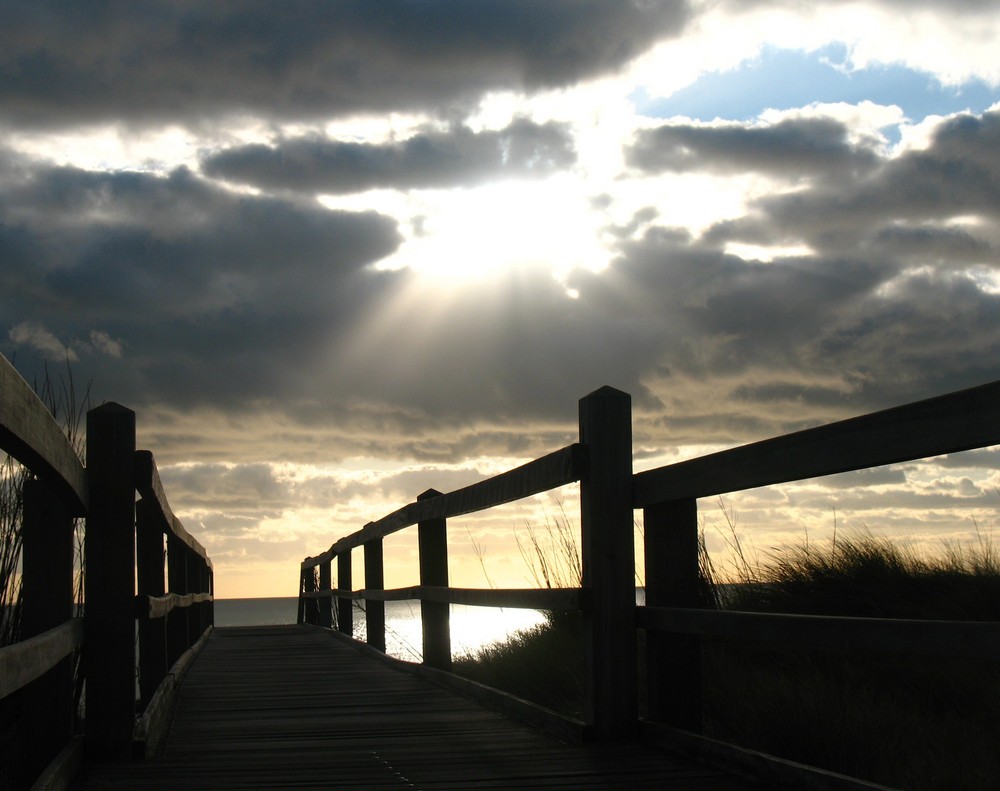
point(334, 254)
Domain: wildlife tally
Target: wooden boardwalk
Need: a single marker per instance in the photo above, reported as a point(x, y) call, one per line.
point(290, 707)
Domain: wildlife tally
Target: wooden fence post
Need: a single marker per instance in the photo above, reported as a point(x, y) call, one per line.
point(47, 589)
point(345, 615)
point(374, 580)
point(432, 540)
point(178, 639)
point(673, 660)
point(302, 599)
point(149, 578)
point(110, 582)
point(325, 605)
point(608, 555)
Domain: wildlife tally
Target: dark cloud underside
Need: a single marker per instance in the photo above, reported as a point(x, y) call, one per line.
point(185, 62)
point(457, 157)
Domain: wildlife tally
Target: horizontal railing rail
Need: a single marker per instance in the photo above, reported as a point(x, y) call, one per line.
point(30, 659)
point(30, 434)
point(515, 598)
point(951, 423)
point(557, 469)
point(962, 639)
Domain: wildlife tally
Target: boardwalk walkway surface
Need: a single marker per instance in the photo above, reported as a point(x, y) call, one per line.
point(292, 708)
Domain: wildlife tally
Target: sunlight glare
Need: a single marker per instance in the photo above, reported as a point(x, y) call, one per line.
point(474, 234)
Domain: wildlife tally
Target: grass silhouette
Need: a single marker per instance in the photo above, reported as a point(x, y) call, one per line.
point(906, 721)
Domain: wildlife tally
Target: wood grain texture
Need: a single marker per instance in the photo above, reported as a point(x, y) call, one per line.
point(23, 662)
point(947, 424)
point(969, 639)
point(30, 434)
point(292, 707)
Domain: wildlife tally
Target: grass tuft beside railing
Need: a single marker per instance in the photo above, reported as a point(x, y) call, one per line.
point(906, 721)
point(909, 722)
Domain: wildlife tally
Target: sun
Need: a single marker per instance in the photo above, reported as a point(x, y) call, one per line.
point(462, 236)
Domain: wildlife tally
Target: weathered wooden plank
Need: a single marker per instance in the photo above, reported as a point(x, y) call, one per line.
point(432, 547)
point(151, 607)
point(23, 662)
point(110, 580)
point(345, 618)
point(608, 559)
point(673, 661)
point(570, 599)
point(274, 707)
point(947, 424)
point(30, 434)
point(559, 468)
point(149, 485)
point(969, 639)
point(374, 581)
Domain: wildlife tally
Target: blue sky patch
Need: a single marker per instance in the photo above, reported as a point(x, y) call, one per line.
point(784, 79)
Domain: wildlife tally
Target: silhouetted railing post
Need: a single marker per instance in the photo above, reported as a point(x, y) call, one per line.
point(673, 660)
point(608, 555)
point(149, 577)
point(345, 616)
point(374, 580)
point(178, 638)
point(432, 540)
point(110, 582)
point(325, 605)
point(47, 589)
point(302, 599)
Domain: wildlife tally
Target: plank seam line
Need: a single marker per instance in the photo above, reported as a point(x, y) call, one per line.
point(403, 778)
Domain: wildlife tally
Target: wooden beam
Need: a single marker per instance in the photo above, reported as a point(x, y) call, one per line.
point(110, 581)
point(608, 555)
point(435, 617)
point(947, 424)
point(23, 662)
point(345, 608)
point(562, 467)
point(155, 607)
point(971, 639)
point(673, 661)
point(30, 434)
point(374, 582)
point(148, 484)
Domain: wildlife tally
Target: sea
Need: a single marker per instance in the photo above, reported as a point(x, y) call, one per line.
point(472, 628)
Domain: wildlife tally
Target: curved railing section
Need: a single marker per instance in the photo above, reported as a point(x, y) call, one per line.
point(175, 582)
point(601, 463)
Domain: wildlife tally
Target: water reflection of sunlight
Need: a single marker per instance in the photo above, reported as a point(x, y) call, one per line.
point(472, 628)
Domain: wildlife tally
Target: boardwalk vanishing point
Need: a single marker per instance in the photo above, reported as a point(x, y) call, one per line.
point(293, 707)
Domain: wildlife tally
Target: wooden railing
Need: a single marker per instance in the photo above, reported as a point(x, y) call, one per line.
point(602, 463)
point(39, 667)
point(668, 498)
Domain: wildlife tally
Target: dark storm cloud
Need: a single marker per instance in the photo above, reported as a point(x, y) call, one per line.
point(65, 63)
point(207, 296)
point(809, 335)
point(457, 157)
point(897, 206)
point(791, 149)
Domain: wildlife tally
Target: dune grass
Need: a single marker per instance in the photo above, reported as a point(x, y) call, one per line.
point(908, 722)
